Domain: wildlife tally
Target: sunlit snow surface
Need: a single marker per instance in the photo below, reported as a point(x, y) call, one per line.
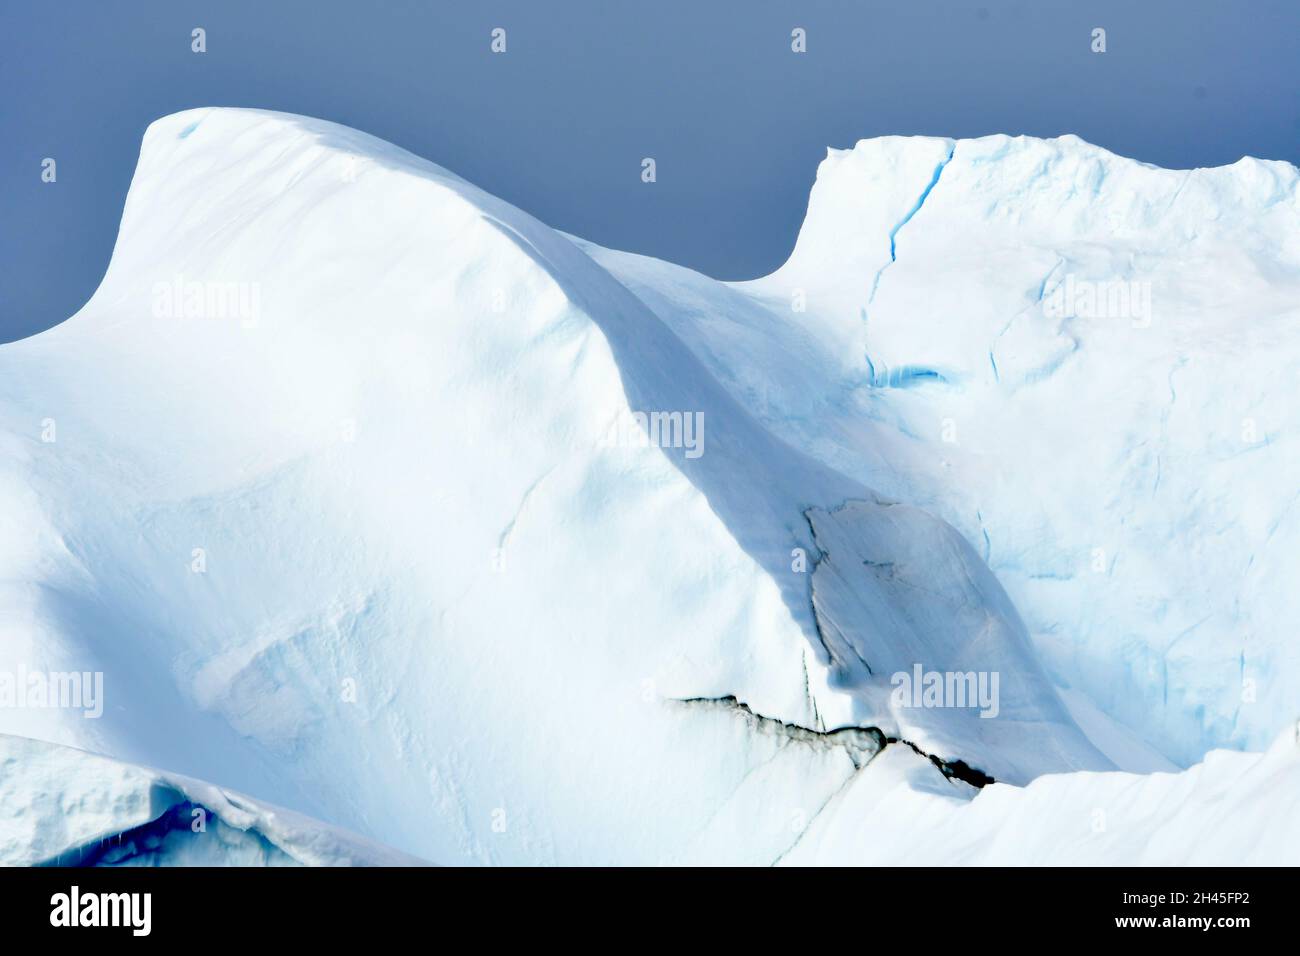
point(370, 554)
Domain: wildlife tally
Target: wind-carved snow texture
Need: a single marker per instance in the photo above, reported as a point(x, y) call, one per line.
point(380, 522)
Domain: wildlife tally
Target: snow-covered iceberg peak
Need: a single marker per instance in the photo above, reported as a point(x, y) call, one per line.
point(864, 196)
point(861, 200)
point(581, 557)
point(1085, 363)
point(867, 201)
point(350, 464)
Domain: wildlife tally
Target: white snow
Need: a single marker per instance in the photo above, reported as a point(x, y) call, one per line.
point(1125, 470)
point(345, 528)
point(1233, 809)
point(60, 805)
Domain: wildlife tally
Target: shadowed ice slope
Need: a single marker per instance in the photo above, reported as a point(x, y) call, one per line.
point(64, 807)
point(1085, 364)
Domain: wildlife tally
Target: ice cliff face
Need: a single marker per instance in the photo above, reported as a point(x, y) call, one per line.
point(333, 480)
point(1085, 364)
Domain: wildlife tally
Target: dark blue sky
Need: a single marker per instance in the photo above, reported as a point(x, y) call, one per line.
point(558, 125)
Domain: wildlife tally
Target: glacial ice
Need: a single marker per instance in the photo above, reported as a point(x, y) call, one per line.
point(64, 807)
point(369, 555)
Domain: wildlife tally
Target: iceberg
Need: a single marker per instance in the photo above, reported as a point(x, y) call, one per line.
point(333, 482)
